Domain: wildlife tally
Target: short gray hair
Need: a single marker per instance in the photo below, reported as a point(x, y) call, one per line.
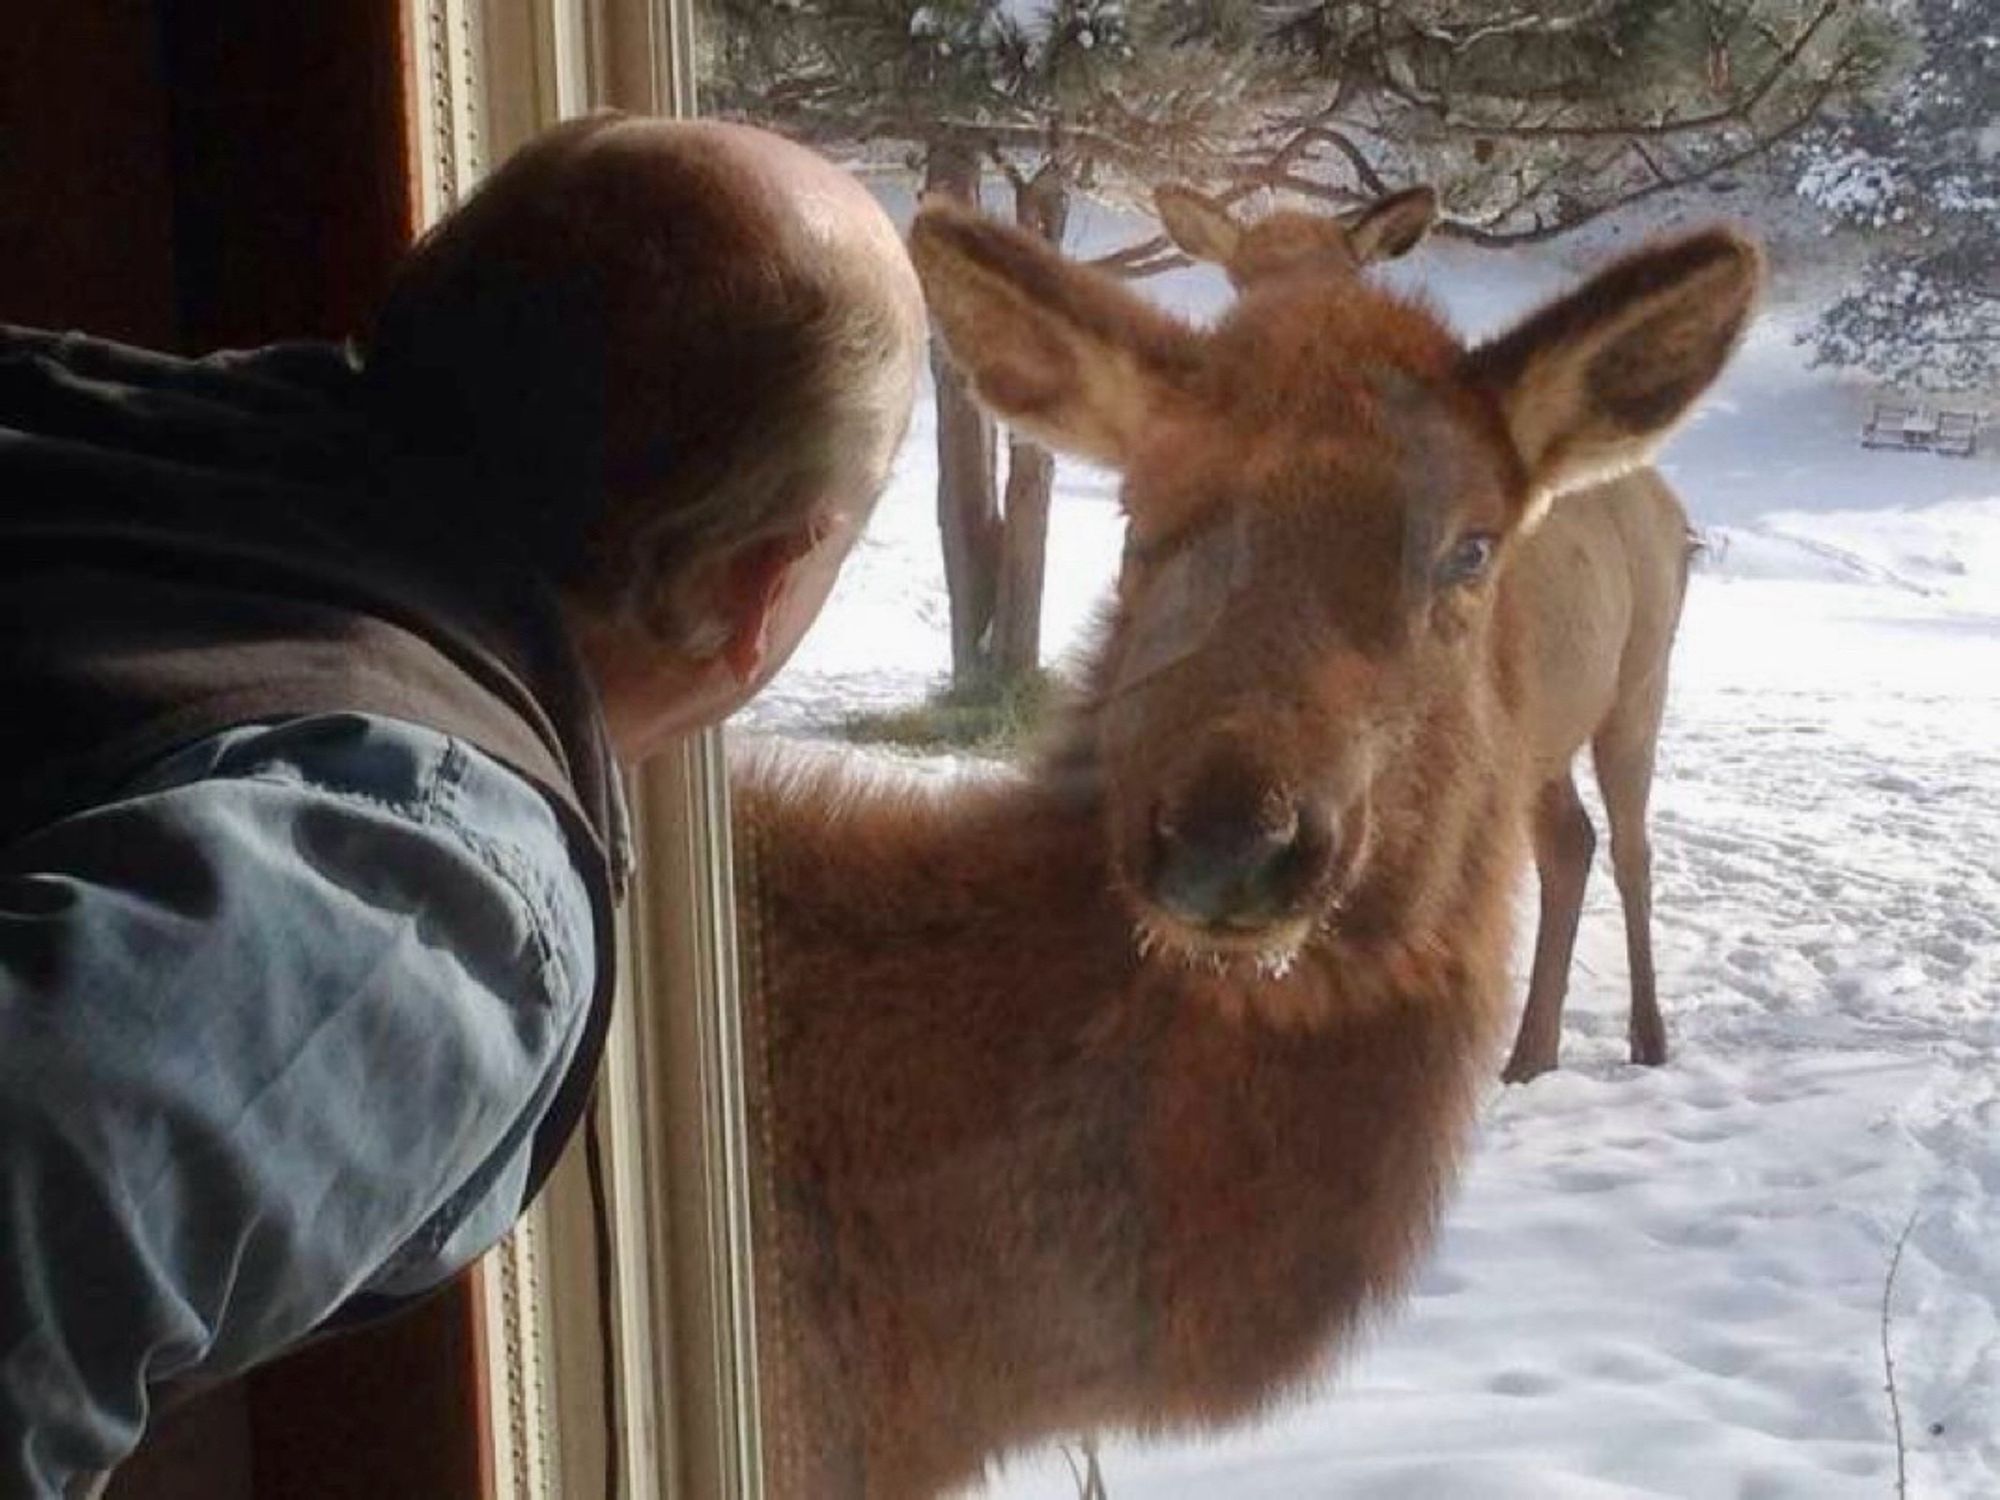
point(634, 373)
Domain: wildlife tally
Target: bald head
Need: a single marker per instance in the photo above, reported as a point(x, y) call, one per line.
point(650, 343)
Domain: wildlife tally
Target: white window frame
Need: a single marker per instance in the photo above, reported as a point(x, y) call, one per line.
point(670, 1113)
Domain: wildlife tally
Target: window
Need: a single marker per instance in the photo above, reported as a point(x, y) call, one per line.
point(670, 1226)
point(1613, 1303)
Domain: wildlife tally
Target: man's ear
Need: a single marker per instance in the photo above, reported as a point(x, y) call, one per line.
point(1592, 384)
point(1062, 351)
point(750, 584)
point(1392, 226)
point(1199, 226)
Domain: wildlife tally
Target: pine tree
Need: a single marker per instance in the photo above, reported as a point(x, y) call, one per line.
point(1536, 116)
point(1918, 170)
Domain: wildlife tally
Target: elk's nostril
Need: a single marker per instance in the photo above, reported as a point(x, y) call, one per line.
point(1240, 870)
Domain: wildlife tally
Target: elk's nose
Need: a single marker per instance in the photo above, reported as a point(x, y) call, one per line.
point(1220, 866)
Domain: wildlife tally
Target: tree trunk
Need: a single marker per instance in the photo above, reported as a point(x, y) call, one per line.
point(1041, 204)
point(1017, 622)
point(968, 506)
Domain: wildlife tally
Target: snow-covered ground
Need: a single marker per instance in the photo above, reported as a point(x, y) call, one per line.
point(1670, 1282)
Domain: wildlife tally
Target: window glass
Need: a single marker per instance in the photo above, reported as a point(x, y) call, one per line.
point(1196, 812)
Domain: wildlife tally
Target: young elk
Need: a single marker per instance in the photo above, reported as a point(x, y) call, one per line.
point(1288, 242)
point(1114, 1093)
point(1599, 585)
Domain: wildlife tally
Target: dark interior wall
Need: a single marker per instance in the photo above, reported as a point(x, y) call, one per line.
point(195, 174)
point(86, 196)
point(389, 1412)
point(290, 165)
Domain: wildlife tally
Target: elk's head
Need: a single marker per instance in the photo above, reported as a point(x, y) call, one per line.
point(1289, 242)
point(1303, 701)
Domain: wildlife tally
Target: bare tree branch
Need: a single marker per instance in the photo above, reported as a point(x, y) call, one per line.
point(1364, 170)
point(1482, 235)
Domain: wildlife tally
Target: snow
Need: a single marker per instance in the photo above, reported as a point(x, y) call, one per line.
point(1855, 185)
point(1670, 1282)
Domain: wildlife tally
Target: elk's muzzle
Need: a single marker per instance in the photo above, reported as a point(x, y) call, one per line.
point(1231, 854)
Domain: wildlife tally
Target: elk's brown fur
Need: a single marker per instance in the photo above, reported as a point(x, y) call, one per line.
point(1599, 586)
point(1112, 1094)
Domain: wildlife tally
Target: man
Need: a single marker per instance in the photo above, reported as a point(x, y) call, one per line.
point(316, 676)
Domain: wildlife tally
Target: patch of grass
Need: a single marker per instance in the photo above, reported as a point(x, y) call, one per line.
point(995, 720)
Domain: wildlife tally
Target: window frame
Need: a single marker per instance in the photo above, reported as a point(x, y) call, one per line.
point(666, 1216)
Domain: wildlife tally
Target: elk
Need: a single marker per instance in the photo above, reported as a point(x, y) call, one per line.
point(1113, 1093)
point(1600, 583)
point(1290, 243)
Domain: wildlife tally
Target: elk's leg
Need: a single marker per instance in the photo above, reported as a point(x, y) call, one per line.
point(1564, 844)
point(1624, 757)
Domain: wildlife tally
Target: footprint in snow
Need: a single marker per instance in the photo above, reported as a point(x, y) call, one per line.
point(1522, 1383)
point(1586, 1180)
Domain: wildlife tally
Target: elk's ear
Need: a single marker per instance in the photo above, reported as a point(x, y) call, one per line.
point(1392, 226)
point(1592, 384)
point(1063, 352)
point(1198, 225)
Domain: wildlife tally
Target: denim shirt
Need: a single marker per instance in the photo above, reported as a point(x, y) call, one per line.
point(276, 1028)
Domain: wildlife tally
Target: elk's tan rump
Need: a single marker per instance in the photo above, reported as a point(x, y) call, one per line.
point(1600, 584)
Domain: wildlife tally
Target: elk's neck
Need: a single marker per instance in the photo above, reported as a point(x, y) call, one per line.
point(866, 857)
point(1154, 1193)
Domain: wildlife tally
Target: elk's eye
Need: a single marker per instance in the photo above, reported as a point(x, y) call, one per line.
point(1468, 560)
